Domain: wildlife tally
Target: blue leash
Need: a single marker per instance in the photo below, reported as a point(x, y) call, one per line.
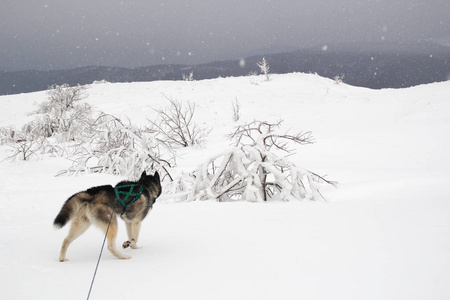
point(101, 251)
point(118, 190)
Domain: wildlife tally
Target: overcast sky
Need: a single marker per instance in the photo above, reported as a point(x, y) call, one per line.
point(57, 34)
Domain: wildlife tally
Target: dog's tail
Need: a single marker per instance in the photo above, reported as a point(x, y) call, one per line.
point(69, 209)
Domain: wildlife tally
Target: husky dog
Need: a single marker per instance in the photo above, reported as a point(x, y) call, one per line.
point(100, 205)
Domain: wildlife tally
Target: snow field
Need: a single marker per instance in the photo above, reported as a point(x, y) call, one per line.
point(384, 233)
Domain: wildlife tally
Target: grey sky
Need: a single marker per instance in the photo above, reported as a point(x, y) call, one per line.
point(57, 34)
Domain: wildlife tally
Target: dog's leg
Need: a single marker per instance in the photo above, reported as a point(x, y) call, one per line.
point(79, 225)
point(136, 226)
point(127, 244)
point(129, 232)
point(103, 217)
point(133, 229)
point(111, 236)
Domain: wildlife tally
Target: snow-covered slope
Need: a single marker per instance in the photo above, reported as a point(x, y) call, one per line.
point(384, 233)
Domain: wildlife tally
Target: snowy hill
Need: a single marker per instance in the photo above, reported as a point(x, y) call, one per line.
point(372, 65)
point(384, 233)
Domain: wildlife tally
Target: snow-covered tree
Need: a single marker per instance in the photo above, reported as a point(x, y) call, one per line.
point(264, 68)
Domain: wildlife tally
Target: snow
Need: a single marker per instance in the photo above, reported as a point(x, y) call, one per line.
point(384, 233)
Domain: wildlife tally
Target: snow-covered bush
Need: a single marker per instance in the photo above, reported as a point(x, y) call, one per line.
point(26, 143)
point(63, 116)
point(103, 81)
point(236, 109)
point(175, 124)
point(65, 127)
point(122, 149)
point(338, 79)
point(7, 135)
point(253, 170)
point(180, 189)
point(24, 147)
point(188, 77)
point(59, 120)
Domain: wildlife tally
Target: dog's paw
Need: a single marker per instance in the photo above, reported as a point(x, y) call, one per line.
point(125, 257)
point(131, 244)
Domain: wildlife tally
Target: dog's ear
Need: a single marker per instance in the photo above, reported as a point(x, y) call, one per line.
point(143, 175)
point(157, 176)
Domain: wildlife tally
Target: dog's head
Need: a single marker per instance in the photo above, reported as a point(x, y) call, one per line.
point(152, 183)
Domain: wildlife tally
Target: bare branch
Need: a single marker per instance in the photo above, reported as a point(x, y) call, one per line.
point(175, 124)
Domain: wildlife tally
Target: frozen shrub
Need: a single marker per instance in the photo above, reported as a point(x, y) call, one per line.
point(63, 115)
point(254, 170)
point(122, 149)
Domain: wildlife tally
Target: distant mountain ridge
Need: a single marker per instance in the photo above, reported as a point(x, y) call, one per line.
point(370, 65)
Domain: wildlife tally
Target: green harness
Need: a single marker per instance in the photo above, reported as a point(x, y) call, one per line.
point(125, 192)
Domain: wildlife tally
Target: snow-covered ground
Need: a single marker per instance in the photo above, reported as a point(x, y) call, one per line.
point(384, 233)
